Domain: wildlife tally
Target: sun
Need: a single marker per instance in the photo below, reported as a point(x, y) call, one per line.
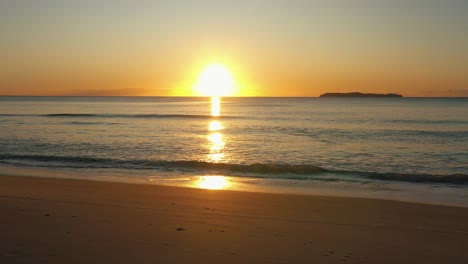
point(215, 80)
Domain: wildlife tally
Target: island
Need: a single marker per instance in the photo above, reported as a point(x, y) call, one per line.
point(358, 94)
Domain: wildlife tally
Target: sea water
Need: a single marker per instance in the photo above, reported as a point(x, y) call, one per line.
point(412, 149)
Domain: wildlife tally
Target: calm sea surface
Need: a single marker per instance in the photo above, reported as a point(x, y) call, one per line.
point(412, 149)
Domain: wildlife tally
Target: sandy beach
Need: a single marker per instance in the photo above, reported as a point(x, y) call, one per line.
point(75, 221)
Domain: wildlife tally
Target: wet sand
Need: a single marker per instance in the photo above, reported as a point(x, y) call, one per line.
point(75, 221)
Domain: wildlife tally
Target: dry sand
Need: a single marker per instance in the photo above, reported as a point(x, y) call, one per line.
point(75, 221)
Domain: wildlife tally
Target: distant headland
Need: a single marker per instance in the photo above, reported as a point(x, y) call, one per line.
point(357, 94)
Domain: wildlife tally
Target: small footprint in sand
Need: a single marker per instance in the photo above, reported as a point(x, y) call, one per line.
point(346, 257)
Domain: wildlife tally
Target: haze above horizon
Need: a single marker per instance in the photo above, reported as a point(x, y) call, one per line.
point(268, 48)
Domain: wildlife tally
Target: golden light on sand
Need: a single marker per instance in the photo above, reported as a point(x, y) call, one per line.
point(215, 80)
point(213, 182)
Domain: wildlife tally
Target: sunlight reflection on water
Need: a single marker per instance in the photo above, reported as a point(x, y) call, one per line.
point(215, 138)
point(213, 182)
point(215, 106)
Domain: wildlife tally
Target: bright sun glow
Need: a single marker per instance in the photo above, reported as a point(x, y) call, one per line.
point(215, 80)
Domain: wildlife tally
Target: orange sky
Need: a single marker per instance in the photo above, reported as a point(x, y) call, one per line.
point(273, 48)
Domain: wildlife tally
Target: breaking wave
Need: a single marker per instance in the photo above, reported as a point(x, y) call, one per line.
point(256, 169)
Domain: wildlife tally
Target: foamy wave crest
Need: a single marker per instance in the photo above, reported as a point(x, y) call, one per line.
point(286, 171)
point(92, 162)
point(252, 168)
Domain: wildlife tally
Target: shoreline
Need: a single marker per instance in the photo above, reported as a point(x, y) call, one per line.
point(388, 191)
point(193, 188)
point(76, 221)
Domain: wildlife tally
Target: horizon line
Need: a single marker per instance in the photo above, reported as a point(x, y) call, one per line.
point(198, 96)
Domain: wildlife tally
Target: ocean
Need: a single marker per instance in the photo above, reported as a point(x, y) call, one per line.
point(410, 149)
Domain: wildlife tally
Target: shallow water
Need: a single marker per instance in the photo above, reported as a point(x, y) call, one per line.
point(362, 145)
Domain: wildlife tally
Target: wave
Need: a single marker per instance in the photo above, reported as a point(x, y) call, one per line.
point(76, 115)
point(422, 178)
point(70, 115)
point(253, 168)
point(134, 116)
point(435, 122)
point(152, 164)
point(287, 171)
point(409, 177)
